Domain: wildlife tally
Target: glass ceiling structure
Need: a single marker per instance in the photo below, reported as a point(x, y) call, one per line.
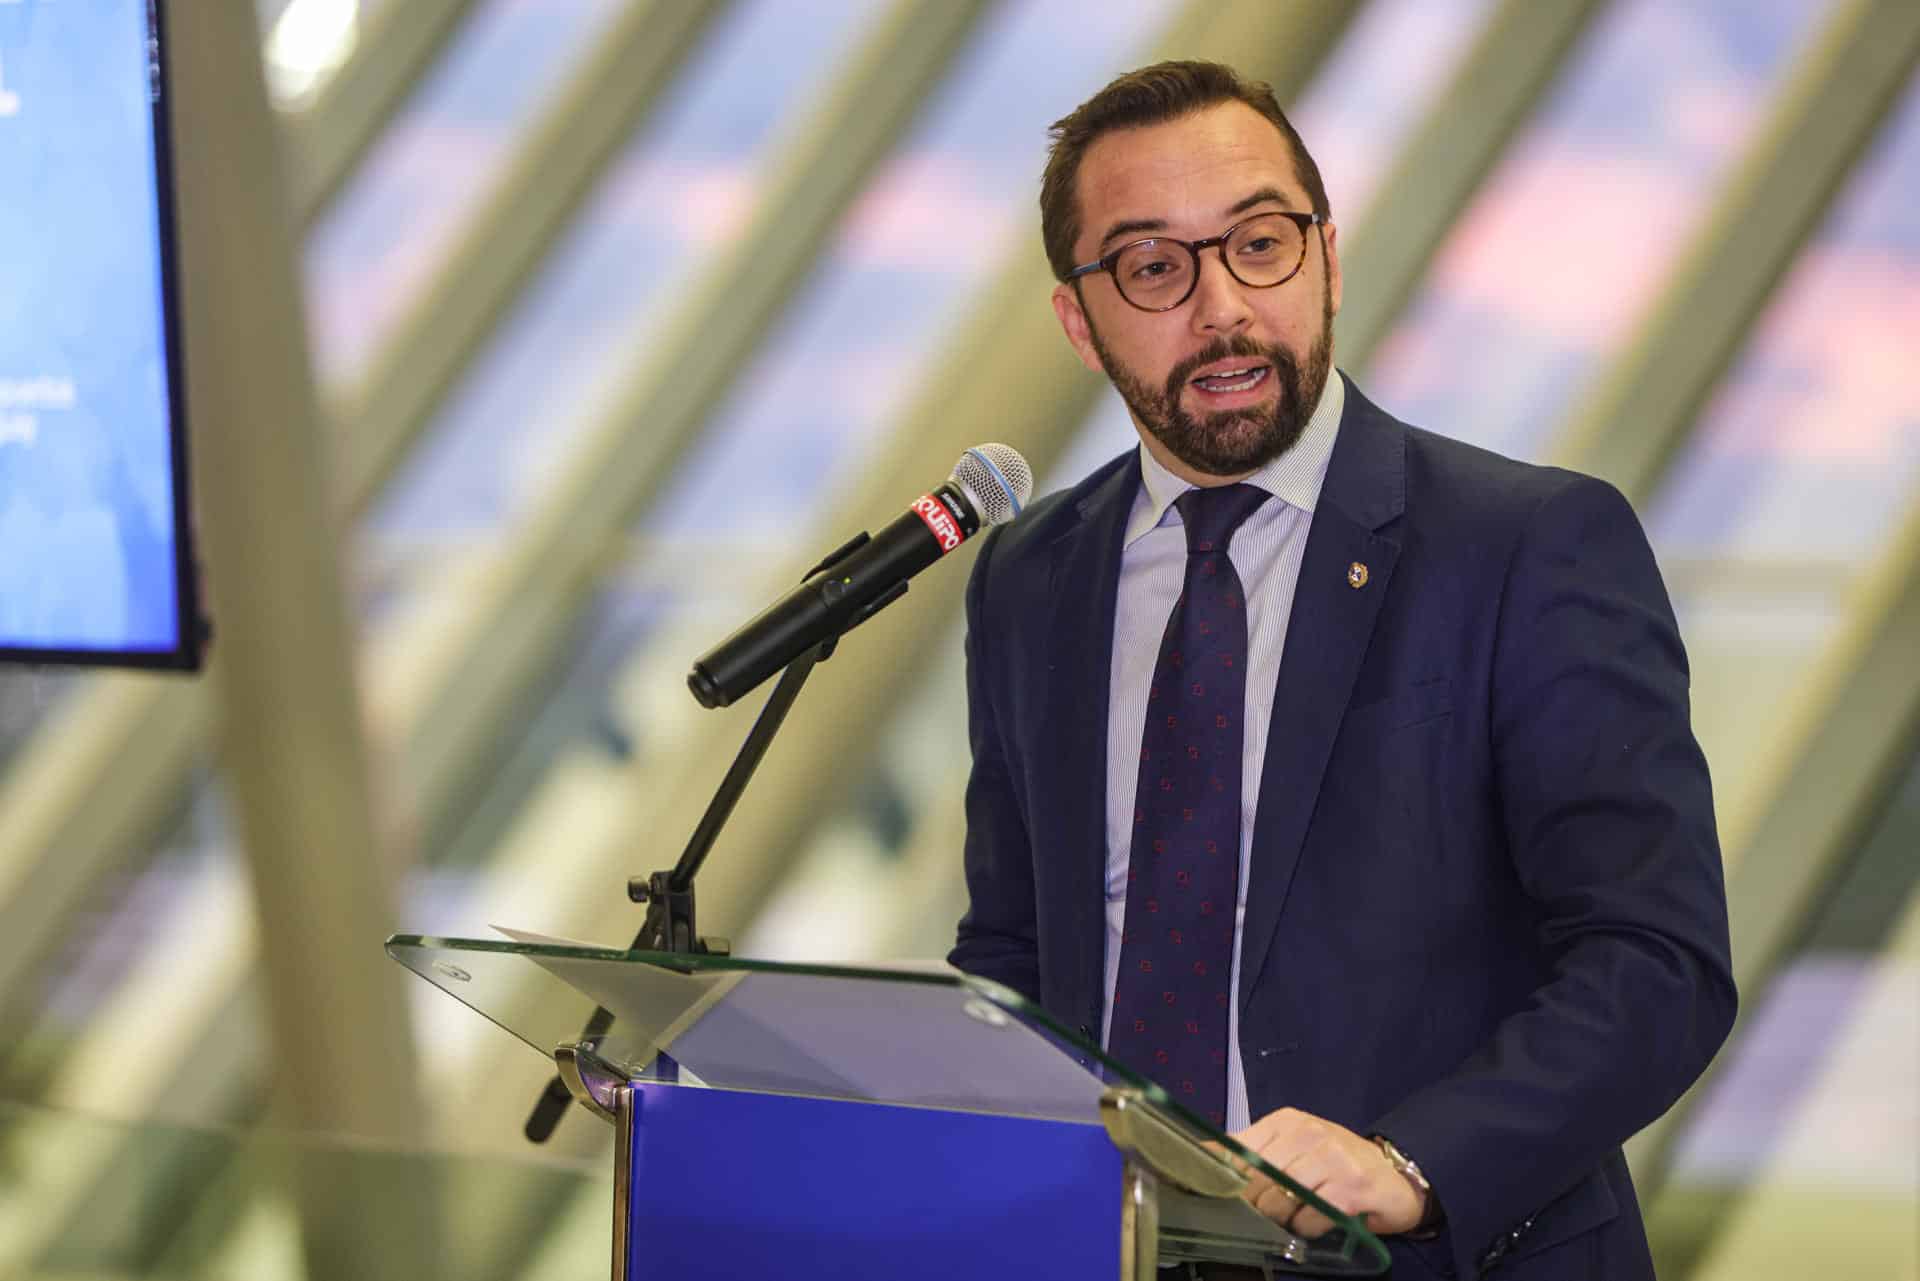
point(609, 315)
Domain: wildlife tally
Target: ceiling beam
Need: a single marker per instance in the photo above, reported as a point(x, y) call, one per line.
point(1640, 410)
point(1513, 64)
point(326, 139)
point(556, 165)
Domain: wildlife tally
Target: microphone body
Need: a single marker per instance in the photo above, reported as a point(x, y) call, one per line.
point(833, 598)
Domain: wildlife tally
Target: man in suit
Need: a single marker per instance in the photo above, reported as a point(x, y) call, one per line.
point(1433, 699)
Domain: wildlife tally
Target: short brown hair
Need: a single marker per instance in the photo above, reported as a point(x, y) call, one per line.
point(1150, 96)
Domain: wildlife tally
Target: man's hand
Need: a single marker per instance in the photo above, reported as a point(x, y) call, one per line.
point(1342, 1168)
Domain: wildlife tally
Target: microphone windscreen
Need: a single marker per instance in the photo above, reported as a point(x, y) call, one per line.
point(996, 480)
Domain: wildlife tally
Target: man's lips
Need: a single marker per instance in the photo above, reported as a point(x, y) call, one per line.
point(1225, 377)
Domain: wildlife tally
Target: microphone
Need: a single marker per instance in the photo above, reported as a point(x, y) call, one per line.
point(989, 485)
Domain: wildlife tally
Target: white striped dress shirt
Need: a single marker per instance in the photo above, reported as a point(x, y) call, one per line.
point(1266, 553)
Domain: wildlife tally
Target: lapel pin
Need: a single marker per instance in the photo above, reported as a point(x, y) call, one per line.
point(1356, 575)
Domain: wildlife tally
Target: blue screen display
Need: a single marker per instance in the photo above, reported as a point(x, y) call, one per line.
point(91, 545)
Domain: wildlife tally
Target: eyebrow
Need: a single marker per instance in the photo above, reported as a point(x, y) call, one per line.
point(1131, 226)
point(1260, 197)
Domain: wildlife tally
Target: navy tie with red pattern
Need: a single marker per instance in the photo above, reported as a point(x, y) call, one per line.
point(1171, 999)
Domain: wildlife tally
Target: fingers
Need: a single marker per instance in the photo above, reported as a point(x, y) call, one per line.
point(1286, 1140)
point(1277, 1202)
point(1336, 1165)
point(1281, 1137)
point(1315, 1170)
point(1290, 1209)
point(1312, 1170)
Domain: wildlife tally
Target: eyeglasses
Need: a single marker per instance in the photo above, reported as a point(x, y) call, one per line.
point(1159, 274)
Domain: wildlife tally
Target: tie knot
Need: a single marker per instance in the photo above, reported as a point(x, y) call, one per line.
point(1211, 515)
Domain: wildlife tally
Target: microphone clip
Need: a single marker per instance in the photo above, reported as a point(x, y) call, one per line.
point(824, 650)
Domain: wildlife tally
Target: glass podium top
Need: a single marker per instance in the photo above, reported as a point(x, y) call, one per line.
point(937, 1039)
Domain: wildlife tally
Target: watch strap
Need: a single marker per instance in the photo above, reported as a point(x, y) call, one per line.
point(1431, 1217)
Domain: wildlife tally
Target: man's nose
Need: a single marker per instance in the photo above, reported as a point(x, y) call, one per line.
point(1220, 304)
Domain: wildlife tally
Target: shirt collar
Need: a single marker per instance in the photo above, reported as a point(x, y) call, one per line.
point(1295, 477)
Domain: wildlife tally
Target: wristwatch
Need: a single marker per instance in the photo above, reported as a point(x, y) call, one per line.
point(1431, 1217)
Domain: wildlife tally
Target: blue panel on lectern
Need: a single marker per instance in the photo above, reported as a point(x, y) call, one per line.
point(863, 1190)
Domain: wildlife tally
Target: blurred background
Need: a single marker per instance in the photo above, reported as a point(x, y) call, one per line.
point(608, 317)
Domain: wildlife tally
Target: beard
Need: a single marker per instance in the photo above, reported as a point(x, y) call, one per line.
point(1236, 441)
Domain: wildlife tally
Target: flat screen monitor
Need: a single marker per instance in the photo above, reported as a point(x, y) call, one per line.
point(96, 561)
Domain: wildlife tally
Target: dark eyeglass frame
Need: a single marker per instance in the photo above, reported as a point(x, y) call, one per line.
point(1107, 262)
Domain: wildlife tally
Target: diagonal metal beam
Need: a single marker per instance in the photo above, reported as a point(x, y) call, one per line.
point(1786, 837)
point(1284, 46)
point(102, 772)
point(293, 746)
point(293, 743)
point(1840, 744)
point(1512, 65)
point(1755, 1229)
point(1641, 409)
point(553, 171)
point(1844, 741)
point(324, 142)
point(461, 681)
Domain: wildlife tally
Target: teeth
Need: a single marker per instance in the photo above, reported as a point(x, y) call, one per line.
point(1245, 378)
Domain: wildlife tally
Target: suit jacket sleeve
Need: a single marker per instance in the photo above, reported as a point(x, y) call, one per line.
point(997, 937)
point(1608, 815)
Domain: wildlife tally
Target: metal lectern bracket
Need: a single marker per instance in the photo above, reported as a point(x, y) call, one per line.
point(1146, 1133)
point(589, 1079)
point(1139, 1222)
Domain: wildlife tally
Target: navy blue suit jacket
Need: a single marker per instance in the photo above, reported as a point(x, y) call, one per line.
point(1485, 913)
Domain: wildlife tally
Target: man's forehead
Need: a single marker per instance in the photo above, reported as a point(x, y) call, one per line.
point(1206, 164)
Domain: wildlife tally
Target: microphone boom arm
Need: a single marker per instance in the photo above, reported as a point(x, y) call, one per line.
point(669, 924)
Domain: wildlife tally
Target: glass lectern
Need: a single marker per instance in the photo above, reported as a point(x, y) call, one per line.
point(798, 1121)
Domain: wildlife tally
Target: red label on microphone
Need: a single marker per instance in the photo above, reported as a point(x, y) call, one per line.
point(939, 522)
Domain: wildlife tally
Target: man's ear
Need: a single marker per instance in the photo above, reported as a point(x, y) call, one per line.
point(1073, 320)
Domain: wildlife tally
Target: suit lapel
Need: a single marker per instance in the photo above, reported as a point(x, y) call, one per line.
point(1327, 636)
point(1084, 582)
